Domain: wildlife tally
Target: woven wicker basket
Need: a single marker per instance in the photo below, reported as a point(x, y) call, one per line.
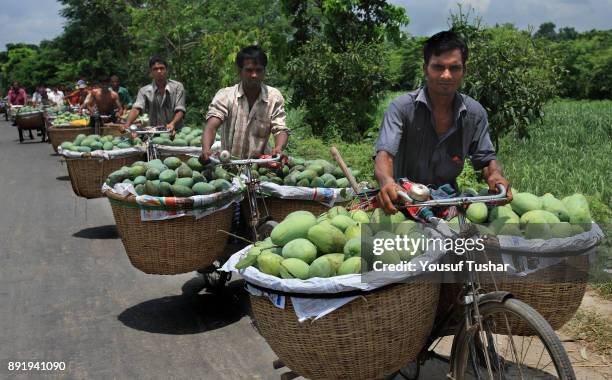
point(111, 129)
point(278, 208)
point(30, 120)
point(57, 135)
point(171, 246)
point(88, 174)
point(555, 292)
point(368, 338)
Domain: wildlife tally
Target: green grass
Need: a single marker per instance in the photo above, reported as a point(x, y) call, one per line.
point(568, 152)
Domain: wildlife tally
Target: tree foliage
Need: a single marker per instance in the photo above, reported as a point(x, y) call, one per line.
point(339, 67)
point(510, 74)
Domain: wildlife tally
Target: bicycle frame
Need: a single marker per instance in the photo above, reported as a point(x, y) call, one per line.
point(148, 134)
point(470, 296)
point(252, 184)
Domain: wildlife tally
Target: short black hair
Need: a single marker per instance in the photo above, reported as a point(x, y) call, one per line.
point(443, 42)
point(157, 59)
point(253, 52)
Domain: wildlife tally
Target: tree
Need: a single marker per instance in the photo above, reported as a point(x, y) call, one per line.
point(509, 73)
point(547, 30)
point(94, 42)
point(340, 68)
point(567, 34)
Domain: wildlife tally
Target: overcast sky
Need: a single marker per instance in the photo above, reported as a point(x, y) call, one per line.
point(34, 20)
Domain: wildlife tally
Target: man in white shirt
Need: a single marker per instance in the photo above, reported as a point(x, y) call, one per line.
point(56, 96)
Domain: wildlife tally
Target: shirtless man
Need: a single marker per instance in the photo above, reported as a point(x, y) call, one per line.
point(105, 100)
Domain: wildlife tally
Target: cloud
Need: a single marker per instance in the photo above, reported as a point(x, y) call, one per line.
point(29, 21)
point(428, 17)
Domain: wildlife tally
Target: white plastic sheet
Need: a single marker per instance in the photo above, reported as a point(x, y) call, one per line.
point(326, 196)
point(102, 154)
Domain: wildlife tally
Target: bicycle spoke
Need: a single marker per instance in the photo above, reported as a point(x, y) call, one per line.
point(527, 350)
point(547, 365)
point(512, 343)
point(540, 358)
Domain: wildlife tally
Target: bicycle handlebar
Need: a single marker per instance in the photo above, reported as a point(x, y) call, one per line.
point(457, 201)
point(148, 131)
point(249, 161)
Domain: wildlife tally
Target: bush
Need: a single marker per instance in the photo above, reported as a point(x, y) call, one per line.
point(339, 89)
point(509, 73)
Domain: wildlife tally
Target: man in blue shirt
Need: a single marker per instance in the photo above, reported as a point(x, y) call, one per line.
point(426, 134)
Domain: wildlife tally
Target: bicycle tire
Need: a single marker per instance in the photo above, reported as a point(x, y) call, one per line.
point(465, 347)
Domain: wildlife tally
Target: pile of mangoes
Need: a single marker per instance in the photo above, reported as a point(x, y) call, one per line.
point(89, 143)
point(303, 246)
point(172, 177)
point(533, 217)
point(305, 173)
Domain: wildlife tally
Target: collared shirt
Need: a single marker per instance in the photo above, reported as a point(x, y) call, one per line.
point(57, 97)
point(161, 107)
point(124, 96)
point(408, 133)
point(245, 133)
point(17, 97)
point(38, 98)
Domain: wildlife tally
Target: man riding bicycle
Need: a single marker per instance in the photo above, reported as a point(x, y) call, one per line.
point(426, 134)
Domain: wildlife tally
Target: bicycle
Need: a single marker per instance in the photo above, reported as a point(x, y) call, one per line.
point(260, 226)
point(483, 341)
point(148, 133)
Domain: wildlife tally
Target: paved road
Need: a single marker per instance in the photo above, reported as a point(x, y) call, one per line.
point(68, 292)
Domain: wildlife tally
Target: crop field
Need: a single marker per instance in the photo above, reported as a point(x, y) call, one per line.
point(568, 152)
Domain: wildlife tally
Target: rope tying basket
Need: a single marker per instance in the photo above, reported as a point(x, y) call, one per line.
point(368, 338)
point(87, 174)
point(58, 134)
point(171, 246)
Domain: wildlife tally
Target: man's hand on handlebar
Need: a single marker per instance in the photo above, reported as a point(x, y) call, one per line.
point(205, 156)
point(496, 178)
point(387, 196)
point(170, 128)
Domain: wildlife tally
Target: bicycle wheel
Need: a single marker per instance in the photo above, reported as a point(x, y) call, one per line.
point(493, 352)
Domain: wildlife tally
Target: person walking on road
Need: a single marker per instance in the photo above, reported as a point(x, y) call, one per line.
point(124, 94)
point(16, 95)
point(104, 100)
point(248, 112)
point(163, 99)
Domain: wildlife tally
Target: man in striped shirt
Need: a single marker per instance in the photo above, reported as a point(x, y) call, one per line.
point(248, 112)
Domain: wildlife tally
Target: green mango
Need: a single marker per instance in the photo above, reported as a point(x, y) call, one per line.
point(294, 268)
point(352, 265)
